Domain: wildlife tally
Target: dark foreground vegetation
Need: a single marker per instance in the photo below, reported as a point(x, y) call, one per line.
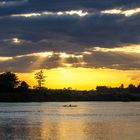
point(13, 90)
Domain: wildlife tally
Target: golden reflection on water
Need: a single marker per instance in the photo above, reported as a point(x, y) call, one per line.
point(89, 131)
point(73, 131)
point(80, 123)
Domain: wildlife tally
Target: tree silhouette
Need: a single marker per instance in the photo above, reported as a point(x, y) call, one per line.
point(40, 78)
point(121, 86)
point(138, 88)
point(8, 81)
point(23, 86)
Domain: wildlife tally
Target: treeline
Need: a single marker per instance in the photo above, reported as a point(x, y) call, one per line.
point(14, 90)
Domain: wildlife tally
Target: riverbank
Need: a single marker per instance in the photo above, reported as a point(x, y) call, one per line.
point(68, 95)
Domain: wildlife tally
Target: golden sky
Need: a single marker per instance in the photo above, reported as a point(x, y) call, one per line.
point(84, 78)
point(78, 44)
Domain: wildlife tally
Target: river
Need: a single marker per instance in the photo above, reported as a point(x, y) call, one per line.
point(87, 121)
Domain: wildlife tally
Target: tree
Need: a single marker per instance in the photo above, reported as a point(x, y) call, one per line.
point(23, 86)
point(138, 87)
point(131, 88)
point(8, 81)
point(121, 86)
point(40, 78)
point(102, 89)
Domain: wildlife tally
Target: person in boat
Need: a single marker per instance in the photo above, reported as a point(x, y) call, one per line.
point(69, 105)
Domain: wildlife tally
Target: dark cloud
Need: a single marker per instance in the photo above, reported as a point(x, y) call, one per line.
point(98, 59)
point(17, 64)
point(113, 60)
point(26, 6)
point(68, 33)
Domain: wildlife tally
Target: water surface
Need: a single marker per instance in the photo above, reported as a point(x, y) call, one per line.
point(52, 121)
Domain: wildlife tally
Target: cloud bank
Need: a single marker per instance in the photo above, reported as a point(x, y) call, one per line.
point(30, 27)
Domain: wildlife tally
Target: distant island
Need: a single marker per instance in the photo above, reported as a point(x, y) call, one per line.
point(14, 90)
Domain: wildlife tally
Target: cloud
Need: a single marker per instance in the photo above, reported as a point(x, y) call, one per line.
point(24, 6)
point(96, 59)
point(71, 27)
point(68, 33)
point(113, 60)
point(12, 3)
point(128, 12)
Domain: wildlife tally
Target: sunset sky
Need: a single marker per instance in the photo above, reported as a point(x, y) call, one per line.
point(78, 43)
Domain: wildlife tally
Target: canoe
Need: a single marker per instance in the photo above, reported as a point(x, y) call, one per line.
point(69, 105)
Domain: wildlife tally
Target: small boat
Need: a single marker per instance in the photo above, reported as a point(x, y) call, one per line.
point(69, 105)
